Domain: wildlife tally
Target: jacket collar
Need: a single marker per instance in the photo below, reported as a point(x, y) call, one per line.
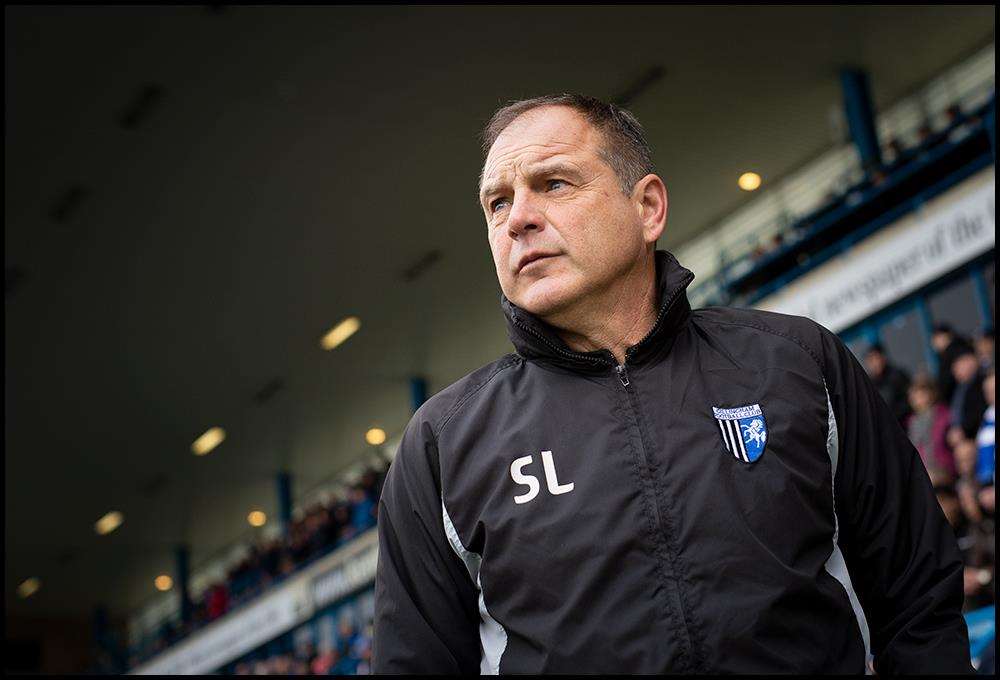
point(535, 339)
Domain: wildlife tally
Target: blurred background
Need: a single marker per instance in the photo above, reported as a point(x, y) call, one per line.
point(243, 244)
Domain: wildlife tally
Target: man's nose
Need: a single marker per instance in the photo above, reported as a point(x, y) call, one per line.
point(525, 215)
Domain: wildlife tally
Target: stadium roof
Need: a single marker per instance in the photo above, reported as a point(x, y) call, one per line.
point(195, 195)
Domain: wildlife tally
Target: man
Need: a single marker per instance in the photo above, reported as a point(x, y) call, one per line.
point(641, 488)
point(967, 401)
point(985, 348)
point(987, 436)
point(947, 345)
point(890, 381)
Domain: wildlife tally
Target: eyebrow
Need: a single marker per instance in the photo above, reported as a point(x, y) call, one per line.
point(541, 168)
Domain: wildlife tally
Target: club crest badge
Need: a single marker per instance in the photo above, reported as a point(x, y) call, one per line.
point(744, 431)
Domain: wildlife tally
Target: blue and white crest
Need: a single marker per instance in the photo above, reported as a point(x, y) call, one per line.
point(744, 431)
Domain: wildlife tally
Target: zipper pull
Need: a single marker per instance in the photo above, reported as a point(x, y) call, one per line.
point(622, 375)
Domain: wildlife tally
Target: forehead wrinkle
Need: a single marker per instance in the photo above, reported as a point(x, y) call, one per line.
point(535, 124)
point(503, 164)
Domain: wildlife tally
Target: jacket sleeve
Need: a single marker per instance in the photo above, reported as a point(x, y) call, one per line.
point(900, 551)
point(426, 606)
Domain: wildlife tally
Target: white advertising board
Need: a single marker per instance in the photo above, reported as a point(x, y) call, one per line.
point(289, 604)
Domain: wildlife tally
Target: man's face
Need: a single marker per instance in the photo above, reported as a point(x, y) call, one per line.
point(940, 341)
point(547, 193)
point(984, 348)
point(875, 363)
point(965, 367)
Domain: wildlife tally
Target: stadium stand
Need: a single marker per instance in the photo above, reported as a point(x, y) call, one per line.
point(320, 530)
point(335, 636)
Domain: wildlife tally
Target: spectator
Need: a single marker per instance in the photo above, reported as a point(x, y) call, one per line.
point(968, 403)
point(965, 459)
point(368, 484)
point(974, 541)
point(299, 667)
point(362, 651)
point(298, 548)
point(342, 517)
point(925, 135)
point(895, 150)
point(986, 438)
point(218, 601)
point(958, 125)
point(346, 639)
point(977, 500)
point(947, 344)
point(281, 664)
point(985, 348)
point(317, 537)
point(892, 383)
point(979, 555)
point(927, 428)
point(324, 662)
point(363, 514)
point(333, 527)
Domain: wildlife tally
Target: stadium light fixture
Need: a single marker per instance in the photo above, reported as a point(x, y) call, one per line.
point(375, 436)
point(749, 181)
point(256, 518)
point(163, 583)
point(109, 523)
point(208, 441)
point(339, 333)
point(28, 587)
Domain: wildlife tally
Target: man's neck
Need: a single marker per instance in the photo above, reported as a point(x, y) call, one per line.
point(616, 320)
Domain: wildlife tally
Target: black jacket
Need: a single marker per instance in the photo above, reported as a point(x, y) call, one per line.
point(970, 407)
point(893, 385)
point(553, 512)
point(946, 381)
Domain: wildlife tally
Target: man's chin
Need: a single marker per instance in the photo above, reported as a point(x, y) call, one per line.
point(545, 299)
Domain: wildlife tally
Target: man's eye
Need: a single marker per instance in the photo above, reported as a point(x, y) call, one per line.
point(496, 204)
point(556, 183)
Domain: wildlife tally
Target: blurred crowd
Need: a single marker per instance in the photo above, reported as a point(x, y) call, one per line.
point(951, 420)
point(896, 155)
point(321, 528)
point(349, 654)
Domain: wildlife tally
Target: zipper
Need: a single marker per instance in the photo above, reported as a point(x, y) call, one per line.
point(622, 371)
point(676, 601)
point(623, 375)
point(633, 406)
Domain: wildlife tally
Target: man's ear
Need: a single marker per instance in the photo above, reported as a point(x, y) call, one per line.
point(650, 199)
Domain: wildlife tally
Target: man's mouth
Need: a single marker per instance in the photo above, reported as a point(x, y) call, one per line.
point(531, 257)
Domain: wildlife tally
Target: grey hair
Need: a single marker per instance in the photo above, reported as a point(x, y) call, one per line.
point(624, 149)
